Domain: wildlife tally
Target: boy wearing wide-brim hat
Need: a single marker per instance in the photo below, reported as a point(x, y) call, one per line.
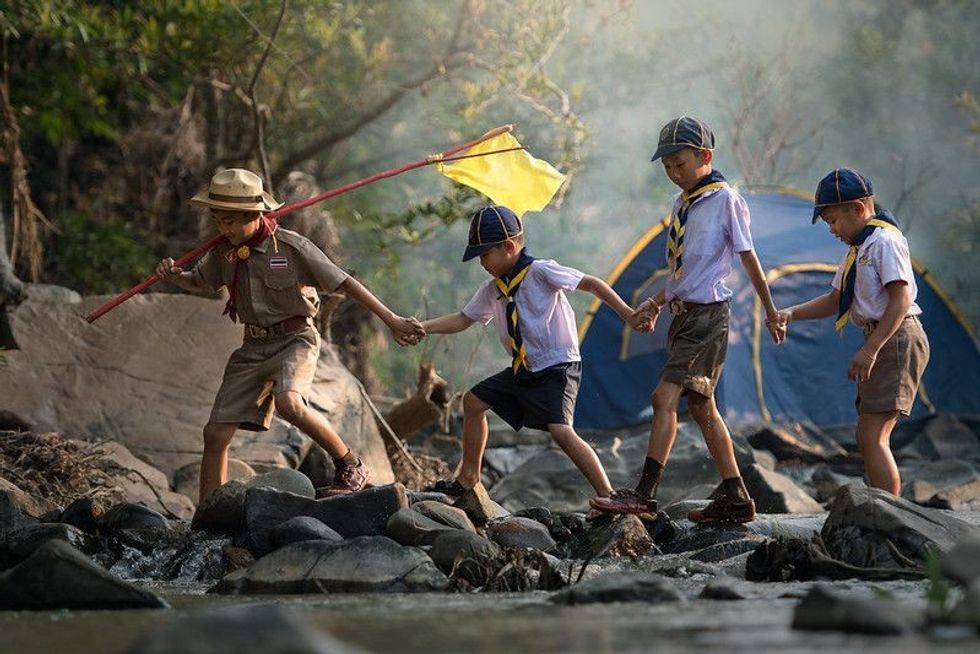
point(709, 224)
point(274, 277)
point(874, 288)
point(536, 325)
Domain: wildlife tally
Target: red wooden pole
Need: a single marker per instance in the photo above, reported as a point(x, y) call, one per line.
point(201, 249)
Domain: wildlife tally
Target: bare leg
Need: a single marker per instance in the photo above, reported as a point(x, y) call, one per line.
point(583, 456)
point(214, 461)
point(715, 432)
point(475, 433)
point(291, 408)
point(874, 432)
point(663, 429)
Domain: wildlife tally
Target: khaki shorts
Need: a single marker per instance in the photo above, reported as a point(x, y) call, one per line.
point(697, 342)
point(897, 371)
point(261, 368)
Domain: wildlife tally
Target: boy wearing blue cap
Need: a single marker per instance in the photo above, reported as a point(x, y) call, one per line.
point(536, 325)
point(875, 289)
point(709, 223)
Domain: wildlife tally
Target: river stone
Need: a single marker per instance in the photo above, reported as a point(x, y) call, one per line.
point(477, 505)
point(131, 516)
point(449, 545)
point(869, 528)
point(409, 527)
point(13, 499)
point(187, 479)
point(520, 532)
point(18, 544)
point(221, 511)
point(962, 563)
point(447, 515)
point(243, 629)
point(826, 483)
point(363, 564)
point(721, 588)
point(947, 484)
point(620, 587)
point(175, 375)
point(777, 493)
point(81, 514)
point(365, 513)
point(822, 609)
point(937, 437)
point(286, 480)
point(58, 576)
point(611, 535)
point(301, 528)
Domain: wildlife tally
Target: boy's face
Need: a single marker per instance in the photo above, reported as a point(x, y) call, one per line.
point(845, 221)
point(236, 226)
point(498, 260)
point(686, 167)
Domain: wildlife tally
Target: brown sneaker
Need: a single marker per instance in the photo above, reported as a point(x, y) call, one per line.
point(624, 501)
point(725, 509)
point(346, 479)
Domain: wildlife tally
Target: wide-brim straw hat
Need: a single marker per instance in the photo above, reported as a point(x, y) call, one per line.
point(236, 189)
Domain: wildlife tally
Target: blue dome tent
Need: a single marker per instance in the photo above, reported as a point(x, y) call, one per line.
point(803, 379)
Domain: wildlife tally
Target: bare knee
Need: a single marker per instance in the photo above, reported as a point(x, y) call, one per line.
point(290, 407)
point(702, 409)
point(664, 399)
point(217, 435)
point(473, 405)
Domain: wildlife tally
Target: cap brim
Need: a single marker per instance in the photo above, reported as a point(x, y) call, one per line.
point(816, 215)
point(476, 250)
point(668, 149)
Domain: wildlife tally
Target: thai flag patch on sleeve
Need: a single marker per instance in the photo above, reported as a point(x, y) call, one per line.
point(278, 263)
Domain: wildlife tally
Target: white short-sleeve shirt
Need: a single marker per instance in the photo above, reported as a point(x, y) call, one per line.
point(717, 227)
point(882, 258)
point(545, 317)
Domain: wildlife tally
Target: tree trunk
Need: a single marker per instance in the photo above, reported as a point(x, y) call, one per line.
point(11, 288)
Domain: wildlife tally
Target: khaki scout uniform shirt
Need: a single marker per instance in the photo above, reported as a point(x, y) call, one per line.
point(277, 285)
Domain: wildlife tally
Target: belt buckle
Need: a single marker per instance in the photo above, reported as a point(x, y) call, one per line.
point(255, 331)
point(677, 307)
point(869, 327)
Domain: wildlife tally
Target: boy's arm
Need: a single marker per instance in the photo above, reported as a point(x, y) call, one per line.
point(185, 279)
point(864, 359)
point(448, 324)
point(604, 292)
point(750, 262)
point(823, 306)
point(406, 331)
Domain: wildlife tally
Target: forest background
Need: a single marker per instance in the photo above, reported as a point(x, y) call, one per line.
point(114, 113)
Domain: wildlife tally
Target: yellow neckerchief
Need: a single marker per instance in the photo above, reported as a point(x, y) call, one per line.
point(509, 290)
point(678, 224)
point(849, 276)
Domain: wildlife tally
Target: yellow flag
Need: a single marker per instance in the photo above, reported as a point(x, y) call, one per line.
point(514, 179)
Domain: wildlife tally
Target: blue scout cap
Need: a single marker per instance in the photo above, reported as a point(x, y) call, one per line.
point(839, 186)
point(491, 226)
point(684, 132)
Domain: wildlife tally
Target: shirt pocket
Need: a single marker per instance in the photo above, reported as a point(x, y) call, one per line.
point(283, 294)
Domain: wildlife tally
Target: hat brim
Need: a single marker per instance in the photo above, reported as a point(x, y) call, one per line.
point(203, 199)
point(473, 251)
point(816, 214)
point(669, 149)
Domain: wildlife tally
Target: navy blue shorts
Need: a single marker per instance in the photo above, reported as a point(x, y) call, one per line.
point(533, 399)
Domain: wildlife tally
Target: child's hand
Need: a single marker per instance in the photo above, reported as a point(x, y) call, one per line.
point(641, 321)
point(166, 269)
point(860, 367)
point(777, 324)
point(407, 331)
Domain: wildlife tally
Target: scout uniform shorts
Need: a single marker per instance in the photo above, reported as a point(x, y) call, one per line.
point(261, 368)
point(697, 343)
point(533, 399)
point(897, 371)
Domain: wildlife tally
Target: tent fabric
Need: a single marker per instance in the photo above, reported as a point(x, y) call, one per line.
point(803, 379)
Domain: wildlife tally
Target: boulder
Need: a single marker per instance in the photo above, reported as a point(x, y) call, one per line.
point(946, 484)
point(936, 437)
point(222, 510)
point(365, 513)
point(57, 576)
point(15, 501)
point(448, 546)
point(868, 528)
point(241, 629)
point(409, 527)
point(776, 493)
point(358, 565)
point(793, 442)
point(621, 587)
point(611, 535)
point(520, 532)
point(825, 610)
point(18, 544)
point(447, 515)
point(477, 505)
point(81, 379)
point(131, 516)
point(81, 514)
point(187, 479)
point(301, 528)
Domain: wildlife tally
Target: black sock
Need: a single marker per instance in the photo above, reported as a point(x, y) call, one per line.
point(735, 487)
point(347, 460)
point(653, 471)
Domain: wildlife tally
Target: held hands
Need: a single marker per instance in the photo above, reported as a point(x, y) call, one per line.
point(407, 330)
point(644, 317)
point(860, 367)
point(777, 324)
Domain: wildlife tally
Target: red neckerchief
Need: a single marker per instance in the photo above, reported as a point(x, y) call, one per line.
point(240, 254)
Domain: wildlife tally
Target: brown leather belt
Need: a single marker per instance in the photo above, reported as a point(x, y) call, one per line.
point(870, 326)
point(287, 326)
point(677, 307)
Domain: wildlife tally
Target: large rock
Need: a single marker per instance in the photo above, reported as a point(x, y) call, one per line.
point(365, 513)
point(611, 535)
point(776, 493)
point(244, 629)
point(622, 587)
point(936, 437)
point(450, 546)
point(409, 527)
point(520, 532)
point(57, 576)
point(222, 510)
point(146, 374)
point(187, 479)
point(17, 545)
point(946, 484)
point(301, 528)
point(872, 528)
point(365, 564)
point(447, 515)
point(131, 516)
point(825, 610)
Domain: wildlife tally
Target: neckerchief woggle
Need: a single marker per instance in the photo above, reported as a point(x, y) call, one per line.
point(508, 285)
point(239, 255)
point(675, 235)
point(884, 220)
